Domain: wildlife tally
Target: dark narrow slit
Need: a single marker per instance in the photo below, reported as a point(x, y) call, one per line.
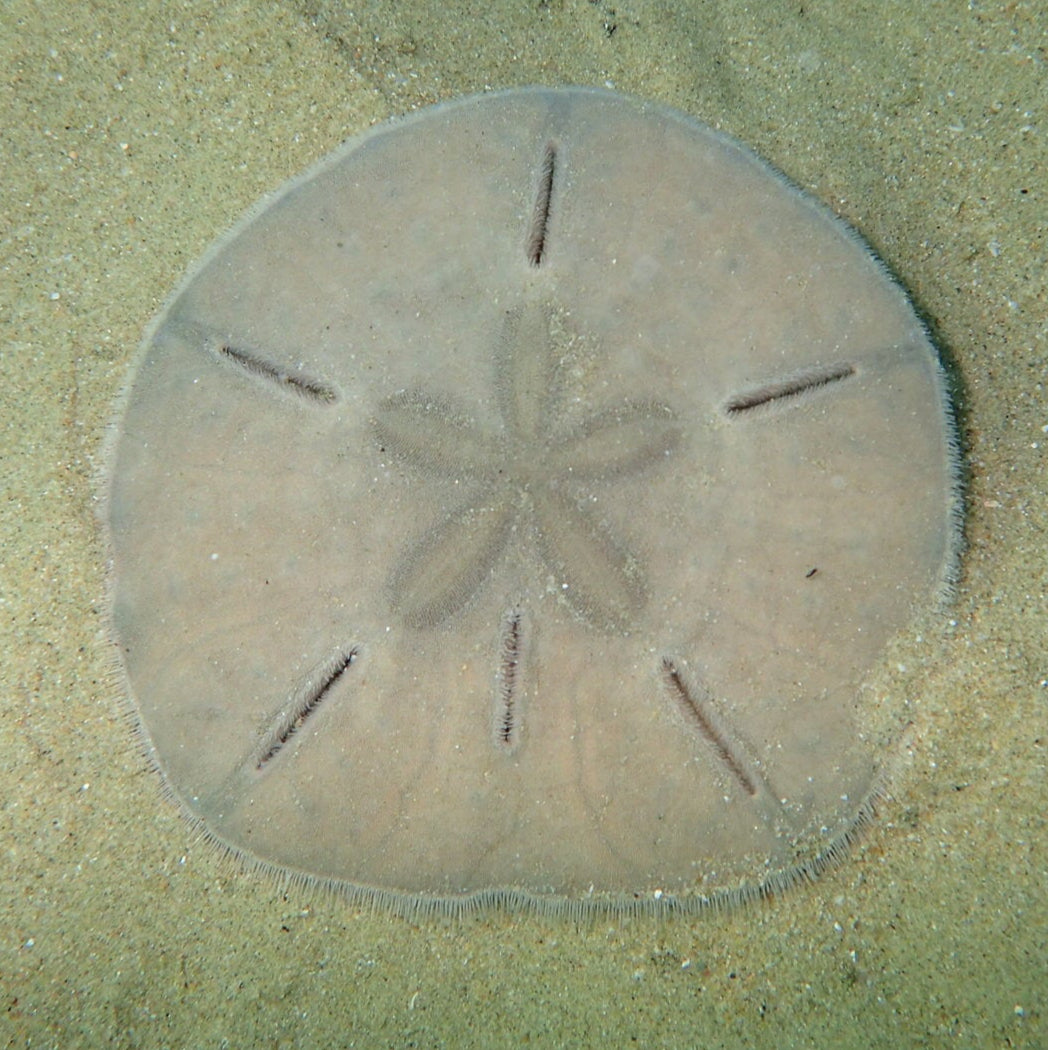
point(694, 708)
point(784, 389)
point(508, 682)
point(304, 703)
point(306, 386)
point(536, 246)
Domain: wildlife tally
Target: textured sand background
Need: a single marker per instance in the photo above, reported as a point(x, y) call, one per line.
point(130, 138)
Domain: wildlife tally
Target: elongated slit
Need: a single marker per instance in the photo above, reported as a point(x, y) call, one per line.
point(509, 682)
point(785, 390)
point(303, 704)
point(540, 212)
point(698, 713)
point(255, 365)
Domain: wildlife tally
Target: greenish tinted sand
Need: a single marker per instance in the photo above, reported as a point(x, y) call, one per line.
point(130, 141)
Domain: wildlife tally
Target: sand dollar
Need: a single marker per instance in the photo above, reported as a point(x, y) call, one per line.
point(510, 510)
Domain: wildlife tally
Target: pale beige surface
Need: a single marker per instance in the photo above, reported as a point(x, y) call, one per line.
point(543, 444)
point(130, 141)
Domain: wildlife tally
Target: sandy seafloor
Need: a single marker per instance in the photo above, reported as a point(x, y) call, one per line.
point(132, 136)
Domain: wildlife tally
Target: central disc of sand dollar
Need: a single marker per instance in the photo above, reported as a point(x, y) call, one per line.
point(511, 510)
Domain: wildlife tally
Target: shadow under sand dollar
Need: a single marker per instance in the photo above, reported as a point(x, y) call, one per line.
point(510, 512)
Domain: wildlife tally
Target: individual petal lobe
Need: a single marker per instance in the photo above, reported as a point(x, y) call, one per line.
point(616, 442)
point(523, 365)
point(599, 579)
point(442, 571)
point(432, 437)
